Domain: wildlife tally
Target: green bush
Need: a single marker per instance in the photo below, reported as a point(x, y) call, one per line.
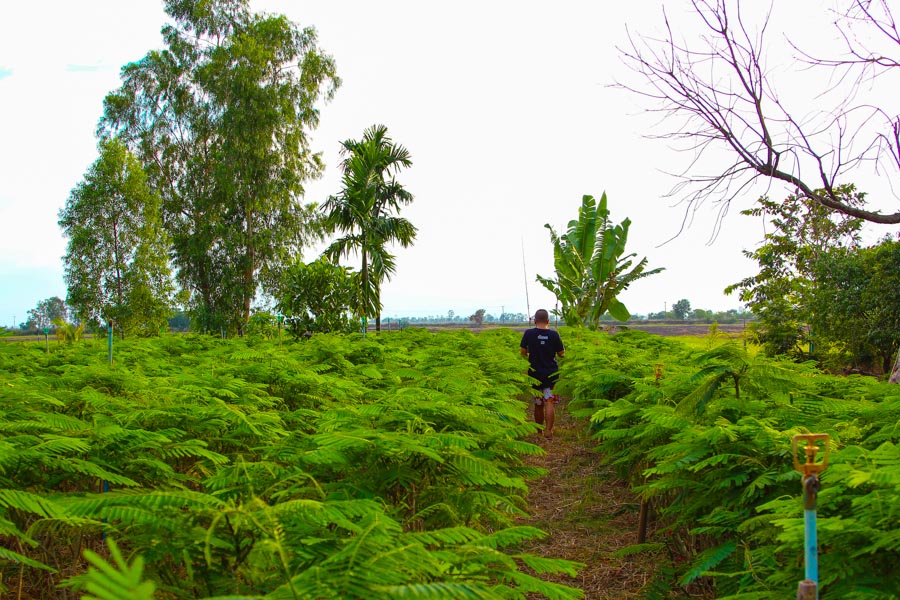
point(708, 446)
point(340, 467)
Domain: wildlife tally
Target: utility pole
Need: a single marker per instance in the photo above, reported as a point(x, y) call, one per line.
point(525, 273)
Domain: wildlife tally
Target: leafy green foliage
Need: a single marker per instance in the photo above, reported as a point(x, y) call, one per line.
point(340, 467)
point(682, 309)
point(365, 212)
point(116, 262)
point(817, 285)
point(856, 306)
point(591, 266)
point(708, 446)
point(45, 314)
point(118, 581)
point(68, 332)
point(779, 294)
point(318, 297)
point(220, 119)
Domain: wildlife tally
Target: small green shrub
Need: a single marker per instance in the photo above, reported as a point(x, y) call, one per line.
point(708, 446)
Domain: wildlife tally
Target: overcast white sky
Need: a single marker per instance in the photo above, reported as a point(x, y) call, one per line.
point(505, 107)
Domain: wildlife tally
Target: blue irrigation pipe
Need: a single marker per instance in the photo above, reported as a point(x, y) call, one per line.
point(808, 589)
point(810, 495)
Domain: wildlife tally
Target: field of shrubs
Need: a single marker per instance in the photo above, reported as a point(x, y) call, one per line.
point(392, 466)
point(337, 467)
point(708, 446)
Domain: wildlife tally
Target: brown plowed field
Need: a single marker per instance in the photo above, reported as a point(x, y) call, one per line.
point(685, 328)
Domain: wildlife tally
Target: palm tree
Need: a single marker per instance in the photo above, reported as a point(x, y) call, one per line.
point(365, 212)
point(592, 268)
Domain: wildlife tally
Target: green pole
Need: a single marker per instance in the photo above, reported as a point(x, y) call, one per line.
point(109, 331)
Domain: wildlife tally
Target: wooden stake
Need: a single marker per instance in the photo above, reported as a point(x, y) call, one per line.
point(642, 522)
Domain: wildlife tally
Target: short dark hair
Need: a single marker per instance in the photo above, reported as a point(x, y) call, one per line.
point(541, 316)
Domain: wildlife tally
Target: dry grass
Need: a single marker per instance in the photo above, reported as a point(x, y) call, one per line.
point(588, 513)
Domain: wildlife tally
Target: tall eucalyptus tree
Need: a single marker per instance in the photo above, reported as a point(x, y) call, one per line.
point(220, 118)
point(116, 261)
point(365, 211)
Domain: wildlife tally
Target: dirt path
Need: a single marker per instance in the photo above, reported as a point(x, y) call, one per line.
point(588, 513)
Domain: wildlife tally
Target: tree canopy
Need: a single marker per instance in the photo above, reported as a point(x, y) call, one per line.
point(682, 308)
point(45, 313)
point(116, 261)
point(365, 211)
point(221, 118)
point(318, 297)
point(780, 293)
point(856, 304)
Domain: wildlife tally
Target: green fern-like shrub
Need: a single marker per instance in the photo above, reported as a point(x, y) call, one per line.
point(708, 447)
point(389, 466)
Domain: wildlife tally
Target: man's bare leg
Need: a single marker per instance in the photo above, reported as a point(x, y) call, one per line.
point(539, 414)
point(549, 414)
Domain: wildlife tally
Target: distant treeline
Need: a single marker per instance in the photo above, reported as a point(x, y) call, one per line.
point(181, 322)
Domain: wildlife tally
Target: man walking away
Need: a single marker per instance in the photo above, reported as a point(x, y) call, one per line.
point(542, 345)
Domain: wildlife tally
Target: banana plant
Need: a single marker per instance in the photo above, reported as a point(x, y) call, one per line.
point(591, 266)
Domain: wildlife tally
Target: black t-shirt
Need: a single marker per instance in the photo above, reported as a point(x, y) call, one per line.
point(542, 346)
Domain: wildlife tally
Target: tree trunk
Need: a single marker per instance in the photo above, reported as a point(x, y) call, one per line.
point(365, 290)
point(895, 373)
point(119, 293)
point(249, 288)
point(377, 306)
point(205, 296)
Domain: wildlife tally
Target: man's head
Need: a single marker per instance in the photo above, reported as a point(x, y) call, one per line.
point(541, 317)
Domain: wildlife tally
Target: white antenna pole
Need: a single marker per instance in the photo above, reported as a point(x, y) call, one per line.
point(525, 273)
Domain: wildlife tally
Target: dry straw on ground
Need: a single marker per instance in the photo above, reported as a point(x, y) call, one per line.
point(588, 513)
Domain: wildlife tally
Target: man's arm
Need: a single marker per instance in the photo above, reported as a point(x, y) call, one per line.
point(524, 351)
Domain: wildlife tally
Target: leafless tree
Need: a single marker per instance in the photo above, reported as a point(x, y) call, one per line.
point(715, 96)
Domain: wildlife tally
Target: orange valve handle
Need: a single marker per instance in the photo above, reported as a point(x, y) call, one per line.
point(811, 467)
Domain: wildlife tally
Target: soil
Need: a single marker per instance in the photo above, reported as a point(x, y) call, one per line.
point(697, 329)
point(588, 513)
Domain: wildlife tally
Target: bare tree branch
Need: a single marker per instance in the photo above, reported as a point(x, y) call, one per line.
point(716, 98)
